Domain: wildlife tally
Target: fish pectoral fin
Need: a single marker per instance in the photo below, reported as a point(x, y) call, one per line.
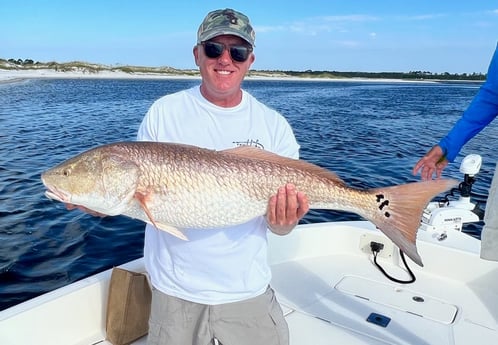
point(171, 230)
point(142, 200)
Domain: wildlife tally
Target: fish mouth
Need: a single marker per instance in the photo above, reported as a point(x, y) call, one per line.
point(55, 193)
point(58, 196)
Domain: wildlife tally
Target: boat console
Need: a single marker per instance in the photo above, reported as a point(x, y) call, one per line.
point(442, 217)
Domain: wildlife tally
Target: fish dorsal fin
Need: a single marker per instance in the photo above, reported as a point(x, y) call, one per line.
point(254, 153)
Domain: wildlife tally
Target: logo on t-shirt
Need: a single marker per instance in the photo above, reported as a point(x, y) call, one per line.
point(250, 142)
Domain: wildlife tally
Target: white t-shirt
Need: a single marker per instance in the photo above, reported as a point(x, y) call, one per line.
point(216, 265)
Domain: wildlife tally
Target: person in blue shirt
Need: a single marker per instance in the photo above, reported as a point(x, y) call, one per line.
point(482, 110)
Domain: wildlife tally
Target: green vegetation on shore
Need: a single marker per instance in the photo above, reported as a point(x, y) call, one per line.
point(412, 75)
point(84, 67)
point(90, 68)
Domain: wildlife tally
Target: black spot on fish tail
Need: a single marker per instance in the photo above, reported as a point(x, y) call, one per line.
point(383, 204)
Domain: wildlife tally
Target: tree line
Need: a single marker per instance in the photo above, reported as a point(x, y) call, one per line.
point(389, 75)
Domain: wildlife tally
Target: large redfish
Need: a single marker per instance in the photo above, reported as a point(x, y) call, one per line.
point(175, 186)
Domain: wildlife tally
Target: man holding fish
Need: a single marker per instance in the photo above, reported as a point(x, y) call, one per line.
point(216, 284)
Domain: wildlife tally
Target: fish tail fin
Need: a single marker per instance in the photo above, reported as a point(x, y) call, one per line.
point(400, 208)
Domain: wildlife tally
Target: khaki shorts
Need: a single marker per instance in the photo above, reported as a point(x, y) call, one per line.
point(258, 320)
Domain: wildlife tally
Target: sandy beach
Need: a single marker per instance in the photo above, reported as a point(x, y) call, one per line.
point(7, 76)
point(11, 76)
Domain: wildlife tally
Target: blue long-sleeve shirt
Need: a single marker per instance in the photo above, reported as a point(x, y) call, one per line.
point(481, 111)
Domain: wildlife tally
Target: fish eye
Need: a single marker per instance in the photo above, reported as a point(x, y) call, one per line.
point(66, 172)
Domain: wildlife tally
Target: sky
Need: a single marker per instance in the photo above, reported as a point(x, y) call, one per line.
point(335, 35)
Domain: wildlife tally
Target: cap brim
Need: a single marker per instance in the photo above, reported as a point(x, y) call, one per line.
point(214, 33)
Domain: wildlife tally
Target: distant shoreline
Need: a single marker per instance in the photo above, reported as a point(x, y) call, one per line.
point(14, 70)
point(13, 76)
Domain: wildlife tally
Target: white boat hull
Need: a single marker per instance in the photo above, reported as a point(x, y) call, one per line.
point(326, 281)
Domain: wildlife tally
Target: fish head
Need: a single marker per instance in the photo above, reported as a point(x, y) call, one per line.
point(98, 179)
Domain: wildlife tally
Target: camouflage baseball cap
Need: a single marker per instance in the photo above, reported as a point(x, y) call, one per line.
point(226, 22)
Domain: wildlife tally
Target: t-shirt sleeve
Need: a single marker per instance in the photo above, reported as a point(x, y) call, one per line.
point(287, 144)
point(146, 131)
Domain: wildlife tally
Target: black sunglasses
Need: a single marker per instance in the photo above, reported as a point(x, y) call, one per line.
point(239, 53)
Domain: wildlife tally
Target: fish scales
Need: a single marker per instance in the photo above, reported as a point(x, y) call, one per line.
point(214, 181)
point(175, 186)
point(231, 190)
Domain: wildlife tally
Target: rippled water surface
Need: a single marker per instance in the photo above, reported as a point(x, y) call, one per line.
point(370, 133)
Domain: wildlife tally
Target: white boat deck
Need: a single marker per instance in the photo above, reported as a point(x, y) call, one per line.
point(328, 286)
point(330, 292)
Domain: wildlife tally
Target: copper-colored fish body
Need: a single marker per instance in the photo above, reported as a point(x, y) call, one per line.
point(176, 186)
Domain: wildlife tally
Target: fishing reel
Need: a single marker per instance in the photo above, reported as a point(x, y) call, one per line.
point(441, 217)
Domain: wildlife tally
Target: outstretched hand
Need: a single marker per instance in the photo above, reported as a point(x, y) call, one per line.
point(285, 209)
point(433, 162)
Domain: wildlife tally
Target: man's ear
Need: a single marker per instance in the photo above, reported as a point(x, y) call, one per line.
point(195, 51)
point(252, 59)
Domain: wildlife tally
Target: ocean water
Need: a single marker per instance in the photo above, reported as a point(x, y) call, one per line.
point(370, 133)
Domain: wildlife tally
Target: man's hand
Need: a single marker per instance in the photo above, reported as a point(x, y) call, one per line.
point(285, 209)
point(432, 163)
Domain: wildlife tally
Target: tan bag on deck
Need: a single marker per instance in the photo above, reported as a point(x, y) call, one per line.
point(128, 306)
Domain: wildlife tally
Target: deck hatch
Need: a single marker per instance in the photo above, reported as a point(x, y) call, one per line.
point(397, 297)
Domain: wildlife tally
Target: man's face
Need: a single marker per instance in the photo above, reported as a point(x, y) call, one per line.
point(222, 76)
